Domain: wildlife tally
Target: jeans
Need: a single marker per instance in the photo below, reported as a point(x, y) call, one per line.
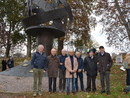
point(105, 77)
point(52, 80)
point(62, 83)
point(91, 80)
point(80, 75)
point(68, 84)
point(127, 77)
point(37, 75)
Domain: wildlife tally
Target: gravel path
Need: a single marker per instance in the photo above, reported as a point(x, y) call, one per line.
point(14, 84)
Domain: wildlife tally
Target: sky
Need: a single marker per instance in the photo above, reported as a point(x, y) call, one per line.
point(101, 38)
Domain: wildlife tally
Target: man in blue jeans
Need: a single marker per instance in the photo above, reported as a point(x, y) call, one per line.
point(71, 65)
point(79, 72)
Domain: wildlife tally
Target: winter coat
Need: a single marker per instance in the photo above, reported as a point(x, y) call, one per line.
point(90, 65)
point(10, 63)
point(4, 63)
point(39, 61)
point(68, 66)
point(53, 66)
point(104, 62)
point(62, 69)
point(80, 63)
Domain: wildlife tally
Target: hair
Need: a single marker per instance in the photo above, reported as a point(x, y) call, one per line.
point(63, 50)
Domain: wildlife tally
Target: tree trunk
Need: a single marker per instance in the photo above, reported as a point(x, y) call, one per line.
point(8, 46)
point(60, 44)
point(28, 46)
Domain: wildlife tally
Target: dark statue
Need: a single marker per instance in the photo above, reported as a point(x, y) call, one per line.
point(46, 19)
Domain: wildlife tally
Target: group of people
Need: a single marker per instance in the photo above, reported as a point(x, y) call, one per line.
point(69, 68)
point(7, 63)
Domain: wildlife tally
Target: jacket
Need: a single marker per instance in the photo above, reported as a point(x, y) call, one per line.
point(104, 62)
point(53, 66)
point(68, 66)
point(90, 65)
point(39, 61)
point(62, 60)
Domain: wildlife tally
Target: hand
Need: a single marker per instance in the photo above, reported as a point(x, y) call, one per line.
point(44, 71)
point(97, 62)
point(79, 70)
point(61, 63)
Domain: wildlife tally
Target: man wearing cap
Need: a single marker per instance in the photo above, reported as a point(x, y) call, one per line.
point(104, 66)
point(90, 66)
point(127, 62)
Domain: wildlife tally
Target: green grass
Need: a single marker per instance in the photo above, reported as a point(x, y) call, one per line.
point(118, 79)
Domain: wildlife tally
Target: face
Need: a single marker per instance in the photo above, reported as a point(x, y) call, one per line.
point(71, 53)
point(78, 54)
point(40, 48)
point(53, 52)
point(63, 52)
point(91, 53)
point(102, 49)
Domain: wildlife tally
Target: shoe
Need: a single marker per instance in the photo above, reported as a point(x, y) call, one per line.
point(39, 93)
point(88, 90)
point(60, 91)
point(108, 92)
point(34, 94)
point(74, 93)
point(93, 91)
point(102, 92)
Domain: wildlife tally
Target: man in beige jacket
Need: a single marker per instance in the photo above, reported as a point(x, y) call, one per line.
point(71, 65)
point(127, 62)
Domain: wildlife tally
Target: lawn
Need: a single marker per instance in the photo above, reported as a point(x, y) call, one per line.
point(117, 85)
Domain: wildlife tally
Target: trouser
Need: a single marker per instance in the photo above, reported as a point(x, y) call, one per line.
point(37, 75)
point(105, 77)
point(68, 84)
point(91, 80)
point(52, 80)
point(62, 83)
point(80, 75)
point(128, 77)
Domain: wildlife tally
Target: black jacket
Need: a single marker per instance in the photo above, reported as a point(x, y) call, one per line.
point(90, 65)
point(105, 62)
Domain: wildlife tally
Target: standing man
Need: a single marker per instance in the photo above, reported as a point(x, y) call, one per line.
point(71, 65)
point(62, 70)
point(53, 66)
point(79, 72)
point(127, 62)
point(90, 66)
point(104, 66)
point(38, 64)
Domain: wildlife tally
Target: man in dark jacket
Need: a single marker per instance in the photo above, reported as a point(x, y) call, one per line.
point(90, 66)
point(38, 63)
point(104, 66)
point(10, 62)
point(53, 66)
point(62, 70)
point(4, 64)
point(79, 72)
